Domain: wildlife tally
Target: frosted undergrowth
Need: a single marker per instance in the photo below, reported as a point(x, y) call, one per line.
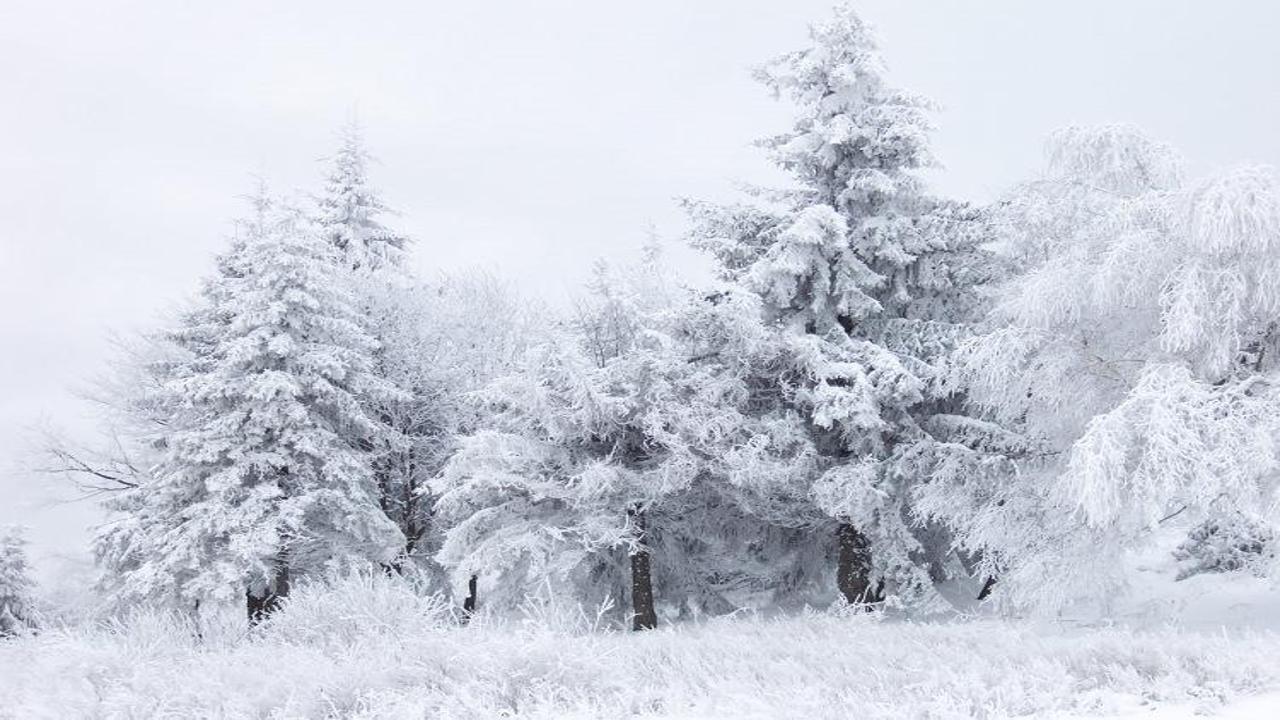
point(372, 648)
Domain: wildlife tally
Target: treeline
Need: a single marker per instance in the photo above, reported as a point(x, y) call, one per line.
point(887, 398)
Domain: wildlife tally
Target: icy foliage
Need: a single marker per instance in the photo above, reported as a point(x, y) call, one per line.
point(811, 275)
point(1134, 350)
point(412, 352)
point(1221, 302)
point(439, 341)
point(17, 605)
point(857, 138)
point(1114, 158)
point(141, 394)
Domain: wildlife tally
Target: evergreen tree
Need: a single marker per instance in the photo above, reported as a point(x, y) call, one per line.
point(350, 211)
point(263, 478)
point(17, 609)
point(872, 281)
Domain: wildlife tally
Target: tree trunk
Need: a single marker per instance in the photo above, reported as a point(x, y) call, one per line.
point(987, 587)
point(469, 604)
point(259, 606)
point(853, 572)
point(644, 614)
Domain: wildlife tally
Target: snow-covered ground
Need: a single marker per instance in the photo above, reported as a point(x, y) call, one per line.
point(372, 649)
point(1261, 707)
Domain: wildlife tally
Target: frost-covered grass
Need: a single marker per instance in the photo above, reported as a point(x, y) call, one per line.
point(371, 648)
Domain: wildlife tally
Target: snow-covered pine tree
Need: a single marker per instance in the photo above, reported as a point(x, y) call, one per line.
point(17, 608)
point(350, 210)
point(263, 478)
point(1137, 348)
point(872, 280)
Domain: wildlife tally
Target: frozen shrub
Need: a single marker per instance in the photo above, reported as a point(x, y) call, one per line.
point(17, 612)
point(363, 607)
point(1226, 544)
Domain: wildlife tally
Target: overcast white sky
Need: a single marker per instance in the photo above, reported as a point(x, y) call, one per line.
point(530, 137)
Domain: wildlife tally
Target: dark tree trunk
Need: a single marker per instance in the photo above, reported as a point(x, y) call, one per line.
point(644, 614)
point(853, 572)
point(410, 499)
point(259, 606)
point(469, 604)
point(987, 587)
point(256, 606)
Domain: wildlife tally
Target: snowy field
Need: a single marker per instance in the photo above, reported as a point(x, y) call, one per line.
point(375, 650)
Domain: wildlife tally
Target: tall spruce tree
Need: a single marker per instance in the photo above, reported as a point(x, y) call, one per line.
point(872, 280)
point(264, 476)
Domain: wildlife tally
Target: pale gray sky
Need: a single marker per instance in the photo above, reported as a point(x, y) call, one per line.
point(530, 137)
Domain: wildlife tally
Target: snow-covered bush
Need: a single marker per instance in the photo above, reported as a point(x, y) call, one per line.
point(1228, 543)
point(17, 605)
point(362, 607)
